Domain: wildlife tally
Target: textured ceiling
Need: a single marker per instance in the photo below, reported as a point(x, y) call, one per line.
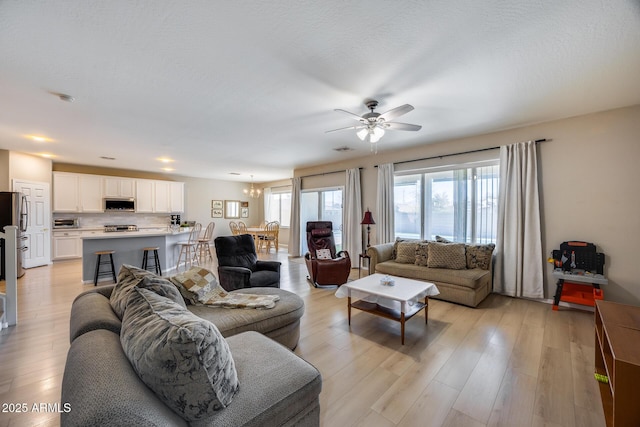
point(250, 86)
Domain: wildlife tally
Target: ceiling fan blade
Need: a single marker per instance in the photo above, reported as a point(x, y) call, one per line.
point(401, 126)
point(348, 127)
point(396, 112)
point(353, 116)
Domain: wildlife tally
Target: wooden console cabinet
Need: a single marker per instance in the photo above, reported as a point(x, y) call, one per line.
point(618, 359)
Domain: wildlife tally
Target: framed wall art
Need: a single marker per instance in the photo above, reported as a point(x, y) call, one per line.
point(216, 213)
point(244, 212)
point(216, 204)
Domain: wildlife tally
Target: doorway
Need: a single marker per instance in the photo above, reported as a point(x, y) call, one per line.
point(38, 226)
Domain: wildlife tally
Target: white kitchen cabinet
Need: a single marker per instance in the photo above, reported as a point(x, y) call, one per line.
point(65, 192)
point(161, 201)
point(90, 193)
point(66, 245)
point(118, 187)
point(145, 189)
point(176, 197)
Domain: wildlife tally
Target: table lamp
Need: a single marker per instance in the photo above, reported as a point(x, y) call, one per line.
point(368, 220)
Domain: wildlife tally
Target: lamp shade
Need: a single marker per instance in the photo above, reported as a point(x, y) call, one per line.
point(368, 218)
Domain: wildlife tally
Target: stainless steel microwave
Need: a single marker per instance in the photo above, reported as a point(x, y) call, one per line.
point(120, 205)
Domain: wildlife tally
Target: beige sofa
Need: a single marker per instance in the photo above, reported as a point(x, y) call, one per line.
point(462, 273)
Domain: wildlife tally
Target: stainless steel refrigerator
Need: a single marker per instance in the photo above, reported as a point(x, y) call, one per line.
point(14, 211)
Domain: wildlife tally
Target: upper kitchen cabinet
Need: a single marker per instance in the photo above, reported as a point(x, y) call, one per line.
point(90, 192)
point(65, 192)
point(176, 197)
point(161, 200)
point(159, 196)
point(119, 187)
point(144, 195)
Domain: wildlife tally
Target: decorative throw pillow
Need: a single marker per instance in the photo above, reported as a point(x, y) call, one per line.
point(406, 252)
point(130, 276)
point(397, 242)
point(479, 256)
point(422, 254)
point(323, 253)
point(447, 255)
point(181, 357)
point(198, 285)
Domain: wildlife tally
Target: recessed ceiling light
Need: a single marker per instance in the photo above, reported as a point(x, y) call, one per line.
point(107, 158)
point(168, 169)
point(47, 155)
point(39, 138)
point(165, 159)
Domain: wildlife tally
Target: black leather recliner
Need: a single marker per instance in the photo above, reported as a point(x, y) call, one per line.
point(239, 267)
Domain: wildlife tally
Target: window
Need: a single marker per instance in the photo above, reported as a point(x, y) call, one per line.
point(458, 204)
point(278, 206)
point(321, 205)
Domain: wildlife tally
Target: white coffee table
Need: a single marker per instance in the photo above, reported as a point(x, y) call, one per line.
point(400, 302)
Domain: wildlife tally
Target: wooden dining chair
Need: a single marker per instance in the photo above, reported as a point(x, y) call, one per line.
point(204, 243)
point(234, 228)
point(242, 227)
point(269, 236)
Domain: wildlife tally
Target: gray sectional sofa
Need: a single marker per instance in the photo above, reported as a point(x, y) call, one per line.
point(463, 273)
point(105, 382)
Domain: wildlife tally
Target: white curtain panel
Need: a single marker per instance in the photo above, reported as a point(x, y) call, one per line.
point(294, 228)
point(519, 261)
point(267, 204)
point(385, 208)
point(352, 230)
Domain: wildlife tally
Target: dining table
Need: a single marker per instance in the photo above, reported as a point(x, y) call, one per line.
point(255, 231)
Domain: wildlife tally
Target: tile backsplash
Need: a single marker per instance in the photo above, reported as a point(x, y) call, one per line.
point(98, 220)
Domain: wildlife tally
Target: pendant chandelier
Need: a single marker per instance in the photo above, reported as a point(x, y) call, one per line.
point(252, 192)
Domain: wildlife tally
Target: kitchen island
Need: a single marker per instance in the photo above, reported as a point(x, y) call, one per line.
point(128, 247)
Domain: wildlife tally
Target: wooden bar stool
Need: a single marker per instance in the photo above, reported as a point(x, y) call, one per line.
point(105, 261)
point(156, 260)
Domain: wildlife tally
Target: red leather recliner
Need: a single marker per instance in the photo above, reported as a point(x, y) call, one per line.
point(335, 268)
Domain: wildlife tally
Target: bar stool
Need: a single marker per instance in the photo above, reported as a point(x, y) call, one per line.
point(188, 249)
point(156, 260)
point(105, 261)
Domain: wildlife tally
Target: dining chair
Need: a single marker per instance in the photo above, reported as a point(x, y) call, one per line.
point(269, 236)
point(234, 228)
point(242, 227)
point(204, 243)
point(188, 248)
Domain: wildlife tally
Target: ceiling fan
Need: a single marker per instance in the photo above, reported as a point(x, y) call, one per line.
point(373, 125)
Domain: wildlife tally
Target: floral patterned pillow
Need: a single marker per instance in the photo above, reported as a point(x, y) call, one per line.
point(422, 254)
point(480, 256)
point(181, 357)
point(130, 276)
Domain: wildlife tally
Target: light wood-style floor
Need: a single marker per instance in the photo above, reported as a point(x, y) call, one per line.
point(509, 362)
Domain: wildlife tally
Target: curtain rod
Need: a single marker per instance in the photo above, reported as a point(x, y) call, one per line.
point(458, 154)
point(324, 173)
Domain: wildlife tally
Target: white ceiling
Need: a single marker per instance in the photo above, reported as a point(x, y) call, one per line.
point(250, 86)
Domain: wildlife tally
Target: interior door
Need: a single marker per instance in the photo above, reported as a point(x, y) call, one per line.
point(38, 222)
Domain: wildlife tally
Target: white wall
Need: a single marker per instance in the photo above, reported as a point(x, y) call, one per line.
point(29, 168)
point(200, 192)
point(589, 190)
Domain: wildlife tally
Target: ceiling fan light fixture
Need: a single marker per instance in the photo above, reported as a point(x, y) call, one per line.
point(362, 133)
point(378, 132)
